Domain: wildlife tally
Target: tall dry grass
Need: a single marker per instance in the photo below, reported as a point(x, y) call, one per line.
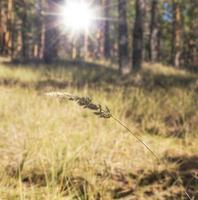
point(54, 150)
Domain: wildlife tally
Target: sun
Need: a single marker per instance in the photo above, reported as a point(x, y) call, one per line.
point(77, 16)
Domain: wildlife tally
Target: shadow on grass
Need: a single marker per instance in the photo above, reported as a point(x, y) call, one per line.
point(187, 172)
point(162, 182)
point(39, 85)
point(76, 186)
point(193, 68)
point(128, 185)
point(96, 75)
point(168, 81)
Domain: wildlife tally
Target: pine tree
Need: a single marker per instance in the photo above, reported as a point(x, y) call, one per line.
point(123, 36)
point(51, 32)
point(106, 30)
point(138, 34)
point(177, 34)
point(154, 40)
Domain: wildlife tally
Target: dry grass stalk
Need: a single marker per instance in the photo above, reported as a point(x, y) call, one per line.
point(104, 112)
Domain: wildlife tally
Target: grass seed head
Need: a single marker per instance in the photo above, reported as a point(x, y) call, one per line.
point(85, 102)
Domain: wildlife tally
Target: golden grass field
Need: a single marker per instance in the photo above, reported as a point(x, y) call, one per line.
point(55, 150)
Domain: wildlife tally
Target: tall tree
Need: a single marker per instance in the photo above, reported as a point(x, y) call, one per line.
point(193, 26)
point(177, 34)
point(138, 35)
point(123, 36)
point(38, 24)
point(106, 29)
point(99, 43)
point(2, 27)
point(6, 17)
point(190, 34)
point(51, 32)
point(154, 40)
point(25, 24)
point(9, 24)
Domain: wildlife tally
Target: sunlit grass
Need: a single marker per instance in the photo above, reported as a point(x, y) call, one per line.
point(67, 146)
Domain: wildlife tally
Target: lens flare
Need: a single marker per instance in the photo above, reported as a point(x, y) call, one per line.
point(77, 16)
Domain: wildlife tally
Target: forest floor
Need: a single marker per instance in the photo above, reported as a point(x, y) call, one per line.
point(51, 149)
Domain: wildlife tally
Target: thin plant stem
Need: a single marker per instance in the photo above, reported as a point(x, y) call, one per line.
point(104, 112)
point(150, 150)
point(141, 141)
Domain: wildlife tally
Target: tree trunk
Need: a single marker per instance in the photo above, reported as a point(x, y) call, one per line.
point(24, 38)
point(177, 33)
point(51, 33)
point(99, 42)
point(41, 45)
point(6, 27)
point(123, 36)
point(38, 26)
point(1, 28)
point(191, 56)
point(154, 41)
point(138, 34)
point(106, 30)
point(10, 27)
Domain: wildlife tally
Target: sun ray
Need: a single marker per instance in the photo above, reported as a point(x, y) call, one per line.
point(79, 17)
